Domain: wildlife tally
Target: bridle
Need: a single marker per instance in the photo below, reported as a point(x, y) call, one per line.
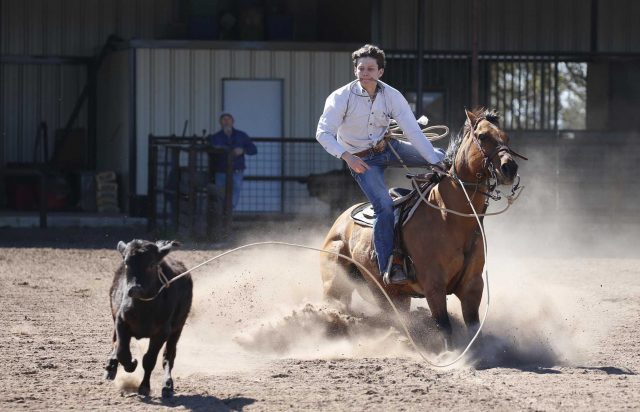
point(490, 181)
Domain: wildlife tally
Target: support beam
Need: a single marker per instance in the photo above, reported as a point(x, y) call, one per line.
point(419, 57)
point(475, 68)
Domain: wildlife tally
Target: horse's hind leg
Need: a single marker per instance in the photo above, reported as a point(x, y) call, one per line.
point(334, 270)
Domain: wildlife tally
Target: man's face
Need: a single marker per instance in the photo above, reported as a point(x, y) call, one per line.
point(367, 70)
point(226, 122)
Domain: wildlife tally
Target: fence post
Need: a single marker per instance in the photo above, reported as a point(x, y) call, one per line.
point(152, 223)
point(175, 163)
point(192, 191)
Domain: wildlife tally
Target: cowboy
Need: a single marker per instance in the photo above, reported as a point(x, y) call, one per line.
point(352, 128)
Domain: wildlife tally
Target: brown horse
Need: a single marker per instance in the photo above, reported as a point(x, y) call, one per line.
point(446, 249)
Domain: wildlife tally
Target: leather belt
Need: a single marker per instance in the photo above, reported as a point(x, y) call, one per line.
point(378, 148)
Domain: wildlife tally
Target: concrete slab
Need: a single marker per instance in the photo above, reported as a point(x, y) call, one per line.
point(64, 219)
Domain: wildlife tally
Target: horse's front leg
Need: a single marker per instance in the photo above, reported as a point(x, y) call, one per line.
point(470, 289)
point(437, 301)
point(470, 298)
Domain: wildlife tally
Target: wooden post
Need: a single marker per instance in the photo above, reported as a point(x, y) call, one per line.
point(228, 193)
point(192, 191)
point(175, 163)
point(43, 199)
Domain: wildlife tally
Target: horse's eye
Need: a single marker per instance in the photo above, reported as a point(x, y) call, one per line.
point(482, 136)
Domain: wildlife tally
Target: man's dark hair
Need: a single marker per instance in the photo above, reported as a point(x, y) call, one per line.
point(223, 114)
point(369, 50)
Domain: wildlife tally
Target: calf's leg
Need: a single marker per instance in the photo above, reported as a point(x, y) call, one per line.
point(149, 362)
point(123, 351)
point(112, 362)
point(169, 356)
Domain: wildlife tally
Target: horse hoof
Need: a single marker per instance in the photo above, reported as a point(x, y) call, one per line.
point(143, 390)
point(167, 392)
point(131, 367)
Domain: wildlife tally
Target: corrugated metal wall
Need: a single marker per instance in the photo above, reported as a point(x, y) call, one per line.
point(31, 94)
point(507, 25)
point(77, 27)
point(175, 85)
point(618, 26)
point(113, 123)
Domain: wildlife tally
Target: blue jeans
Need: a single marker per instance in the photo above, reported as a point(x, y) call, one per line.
point(372, 184)
point(221, 181)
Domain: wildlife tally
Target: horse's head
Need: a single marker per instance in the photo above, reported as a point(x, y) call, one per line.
point(484, 151)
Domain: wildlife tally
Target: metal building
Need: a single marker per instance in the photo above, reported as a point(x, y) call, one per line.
point(174, 57)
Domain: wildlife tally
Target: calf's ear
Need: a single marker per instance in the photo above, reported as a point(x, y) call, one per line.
point(121, 247)
point(165, 246)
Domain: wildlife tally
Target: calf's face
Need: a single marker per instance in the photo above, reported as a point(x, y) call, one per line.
point(141, 259)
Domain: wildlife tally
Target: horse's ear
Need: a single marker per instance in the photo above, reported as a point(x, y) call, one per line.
point(471, 118)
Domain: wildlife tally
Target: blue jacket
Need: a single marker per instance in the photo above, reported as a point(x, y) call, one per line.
point(238, 138)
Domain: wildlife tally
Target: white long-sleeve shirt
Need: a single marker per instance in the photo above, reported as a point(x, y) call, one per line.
point(351, 122)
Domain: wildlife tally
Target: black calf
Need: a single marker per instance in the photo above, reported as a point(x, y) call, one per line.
point(161, 319)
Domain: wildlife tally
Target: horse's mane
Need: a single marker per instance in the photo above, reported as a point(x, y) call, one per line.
point(455, 142)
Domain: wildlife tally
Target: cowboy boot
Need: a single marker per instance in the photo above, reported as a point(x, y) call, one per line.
point(395, 275)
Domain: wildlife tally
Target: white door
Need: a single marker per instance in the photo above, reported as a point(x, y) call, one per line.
point(257, 107)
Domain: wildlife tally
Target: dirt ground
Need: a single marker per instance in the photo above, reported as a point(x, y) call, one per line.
point(563, 331)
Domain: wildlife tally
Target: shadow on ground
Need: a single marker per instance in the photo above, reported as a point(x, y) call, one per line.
point(203, 403)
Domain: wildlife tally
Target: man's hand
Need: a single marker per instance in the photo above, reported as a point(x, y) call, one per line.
point(355, 163)
point(237, 151)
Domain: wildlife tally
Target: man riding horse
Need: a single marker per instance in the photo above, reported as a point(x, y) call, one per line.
point(353, 126)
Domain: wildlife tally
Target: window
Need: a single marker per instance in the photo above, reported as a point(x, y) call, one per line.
point(538, 95)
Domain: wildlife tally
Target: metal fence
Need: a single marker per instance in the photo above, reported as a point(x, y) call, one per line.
point(590, 173)
point(183, 194)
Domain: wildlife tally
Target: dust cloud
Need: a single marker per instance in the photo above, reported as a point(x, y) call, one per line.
point(265, 303)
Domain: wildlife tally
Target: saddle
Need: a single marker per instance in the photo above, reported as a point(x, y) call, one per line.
point(404, 202)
